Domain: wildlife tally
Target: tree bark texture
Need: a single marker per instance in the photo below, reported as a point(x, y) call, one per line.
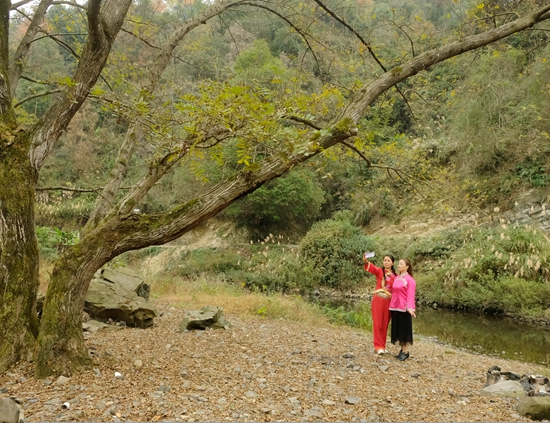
point(18, 250)
point(61, 348)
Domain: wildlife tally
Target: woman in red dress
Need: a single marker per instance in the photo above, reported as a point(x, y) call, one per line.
point(380, 307)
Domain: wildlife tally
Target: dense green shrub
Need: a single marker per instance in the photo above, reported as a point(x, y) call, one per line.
point(266, 268)
point(334, 248)
point(273, 268)
point(500, 269)
point(291, 202)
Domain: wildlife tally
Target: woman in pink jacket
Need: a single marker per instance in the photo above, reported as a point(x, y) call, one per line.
point(402, 308)
point(381, 301)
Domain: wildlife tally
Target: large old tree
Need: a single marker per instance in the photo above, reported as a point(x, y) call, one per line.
point(221, 114)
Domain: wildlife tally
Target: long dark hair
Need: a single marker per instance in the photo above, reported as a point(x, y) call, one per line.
point(410, 268)
point(392, 258)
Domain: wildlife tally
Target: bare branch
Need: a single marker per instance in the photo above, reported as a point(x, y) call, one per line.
point(302, 120)
point(298, 30)
point(407, 35)
point(42, 94)
point(140, 38)
point(18, 60)
point(36, 81)
point(70, 3)
point(95, 190)
point(354, 32)
point(352, 147)
point(19, 4)
point(58, 41)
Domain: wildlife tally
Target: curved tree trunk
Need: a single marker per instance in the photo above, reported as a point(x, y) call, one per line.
point(61, 348)
point(18, 250)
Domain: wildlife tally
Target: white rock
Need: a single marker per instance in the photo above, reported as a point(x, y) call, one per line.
point(62, 380)
point(9, 411)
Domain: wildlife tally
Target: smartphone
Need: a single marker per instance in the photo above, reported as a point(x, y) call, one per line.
point(369, 254)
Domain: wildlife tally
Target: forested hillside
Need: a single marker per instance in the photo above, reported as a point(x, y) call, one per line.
point(470, 133)
point(136, 122)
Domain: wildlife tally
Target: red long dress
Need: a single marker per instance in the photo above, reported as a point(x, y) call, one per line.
point(381, 314)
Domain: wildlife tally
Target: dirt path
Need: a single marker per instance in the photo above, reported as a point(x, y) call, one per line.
point(264, 370)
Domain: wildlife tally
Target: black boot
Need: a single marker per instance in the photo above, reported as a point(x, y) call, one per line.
point(403, 356)
point(399, 355)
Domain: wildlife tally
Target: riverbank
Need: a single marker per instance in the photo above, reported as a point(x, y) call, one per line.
point(264, 370)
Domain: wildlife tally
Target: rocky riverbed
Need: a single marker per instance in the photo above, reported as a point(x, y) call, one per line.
point(263, 370)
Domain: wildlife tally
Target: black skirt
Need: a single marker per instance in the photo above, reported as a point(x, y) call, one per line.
point(401, 327)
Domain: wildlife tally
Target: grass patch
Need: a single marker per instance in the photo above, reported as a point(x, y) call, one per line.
point(207, 289)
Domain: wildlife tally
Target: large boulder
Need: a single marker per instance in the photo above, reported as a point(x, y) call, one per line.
point(504, 388)
point(120, 295)
point(127, 279)
point(536, 408)
point(9, 411)
point(206, 317)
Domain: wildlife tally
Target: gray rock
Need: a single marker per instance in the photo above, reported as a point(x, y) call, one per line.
point(352, 400)
point(505, 388)
point(115, 295)
point(536, 408)
point(314, 412)
point(62, 380)
point(206, 317)
point(9, 411)
point(126, 278)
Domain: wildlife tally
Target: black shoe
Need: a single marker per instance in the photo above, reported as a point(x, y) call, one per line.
point(403, 356)
point(399, 355)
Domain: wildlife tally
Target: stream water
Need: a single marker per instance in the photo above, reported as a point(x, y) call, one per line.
point(499, 336)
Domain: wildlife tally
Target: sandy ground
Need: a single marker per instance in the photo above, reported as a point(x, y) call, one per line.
point(264, 370)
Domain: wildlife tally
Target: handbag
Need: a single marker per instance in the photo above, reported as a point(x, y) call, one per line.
point(383, 293)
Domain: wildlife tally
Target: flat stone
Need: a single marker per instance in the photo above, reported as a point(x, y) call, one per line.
point(505, 388)
point(62, 380)
point(352, 400)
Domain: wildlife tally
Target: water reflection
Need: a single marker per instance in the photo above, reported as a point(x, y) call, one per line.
point(490, 335)
point(486, 334)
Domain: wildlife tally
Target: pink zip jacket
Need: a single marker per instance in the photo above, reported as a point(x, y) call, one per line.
point(404, 288)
